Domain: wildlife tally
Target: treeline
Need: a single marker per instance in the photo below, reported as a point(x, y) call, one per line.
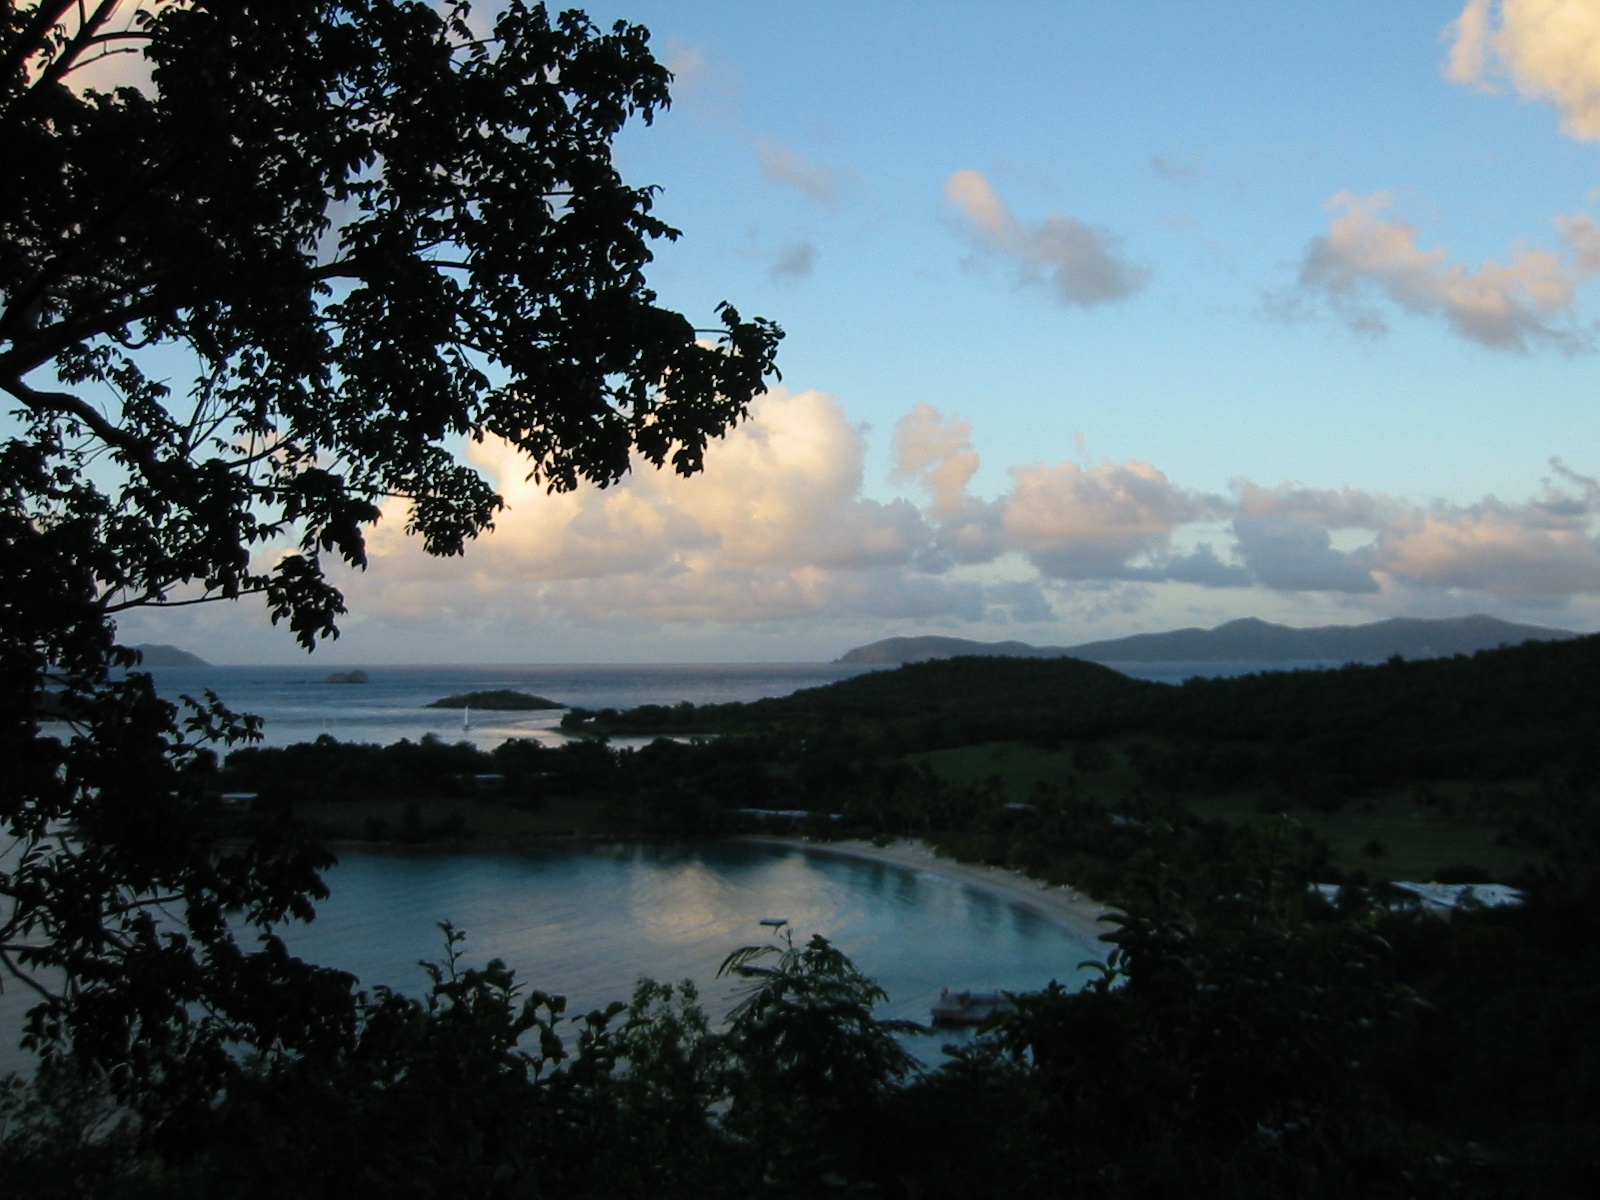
point(1519, 712)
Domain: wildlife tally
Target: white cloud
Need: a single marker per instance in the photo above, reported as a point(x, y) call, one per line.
point(1076, 522)
point(779, 533)
point(1290, 555)
point(819, 182)
point(1511, 305)
point(1546, 547)
point(1549, 50)
point(937, 453)
point(1543, 548)
point(1081, 264)
point(776, 526)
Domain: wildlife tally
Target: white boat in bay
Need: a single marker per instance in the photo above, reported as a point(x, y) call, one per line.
point(970, 1008)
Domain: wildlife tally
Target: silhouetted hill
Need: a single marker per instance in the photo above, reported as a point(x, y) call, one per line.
point(1246, 640)
point(162, 655)
point(1528, 711)
point(921, 649)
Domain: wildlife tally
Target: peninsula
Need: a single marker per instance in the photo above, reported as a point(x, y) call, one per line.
point(499, 700)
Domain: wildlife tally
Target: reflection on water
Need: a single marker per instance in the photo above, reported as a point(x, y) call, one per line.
point(587, 921)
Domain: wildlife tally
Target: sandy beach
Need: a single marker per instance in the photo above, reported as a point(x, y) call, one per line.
point(1064, 905)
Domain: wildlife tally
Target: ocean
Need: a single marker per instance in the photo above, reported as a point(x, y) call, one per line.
point(298, 704)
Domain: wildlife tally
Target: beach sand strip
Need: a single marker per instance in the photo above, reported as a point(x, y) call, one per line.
point(1081, 914)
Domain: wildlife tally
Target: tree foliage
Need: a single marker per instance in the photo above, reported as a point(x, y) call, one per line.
point(240, 309)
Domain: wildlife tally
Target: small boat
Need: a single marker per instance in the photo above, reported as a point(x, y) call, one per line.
point(775, 922)
point(970, 1008)
point(466, 719)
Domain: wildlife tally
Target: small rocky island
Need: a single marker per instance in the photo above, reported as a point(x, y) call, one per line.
point(499, 700)
point(348, 677)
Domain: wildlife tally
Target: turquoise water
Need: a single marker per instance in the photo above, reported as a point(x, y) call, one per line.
point(588, 921)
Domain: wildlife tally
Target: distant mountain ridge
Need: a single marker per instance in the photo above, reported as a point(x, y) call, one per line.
point(1244, 640)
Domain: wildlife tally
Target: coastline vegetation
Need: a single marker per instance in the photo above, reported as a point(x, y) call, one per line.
point(497, 700)
point(1264, 1040)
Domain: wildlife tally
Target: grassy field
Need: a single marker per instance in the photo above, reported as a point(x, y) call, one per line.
point(1397, 836)
point(1020, 768)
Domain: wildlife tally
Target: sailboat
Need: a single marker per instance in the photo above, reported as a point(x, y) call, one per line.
point(466, 718)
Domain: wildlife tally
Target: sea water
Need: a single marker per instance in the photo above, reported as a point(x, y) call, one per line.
point(588, 921)
point(298, 704)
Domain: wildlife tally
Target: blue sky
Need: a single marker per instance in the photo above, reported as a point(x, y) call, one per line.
point(1072, 291)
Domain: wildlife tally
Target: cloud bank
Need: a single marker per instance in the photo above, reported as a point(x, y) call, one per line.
point(779, 528)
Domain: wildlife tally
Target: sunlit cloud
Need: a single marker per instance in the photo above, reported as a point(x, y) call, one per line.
point(1545, 547)
point(1548, 50)
point(776, 525)
point(1077, 522)
point(1081, 265)
point(780, 528)
point(1525, 301)
point(936, 452)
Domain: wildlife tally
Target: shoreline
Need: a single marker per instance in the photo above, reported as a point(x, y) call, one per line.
point(1064, 905)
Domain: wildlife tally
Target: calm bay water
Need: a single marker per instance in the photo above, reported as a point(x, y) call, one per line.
point(587, 921)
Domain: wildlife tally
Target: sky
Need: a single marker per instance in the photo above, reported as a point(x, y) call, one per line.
point(1101, 319)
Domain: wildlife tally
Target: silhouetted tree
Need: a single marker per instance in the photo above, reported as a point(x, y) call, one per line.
point(239, 307)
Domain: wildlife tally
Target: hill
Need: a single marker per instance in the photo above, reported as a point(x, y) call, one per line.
point(499, 700)
point(162, 655)
point(1246, 640)
point(921, 649)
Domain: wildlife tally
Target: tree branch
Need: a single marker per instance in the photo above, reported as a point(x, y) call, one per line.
point(18, 974)
point(140, 452)
point(88, 27)
point(29, 42)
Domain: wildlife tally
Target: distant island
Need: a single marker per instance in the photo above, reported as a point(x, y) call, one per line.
point(161, 655)
point(1243, 641)
point(500, 700)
